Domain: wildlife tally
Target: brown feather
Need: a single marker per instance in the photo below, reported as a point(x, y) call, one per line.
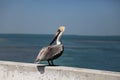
point(50, 53)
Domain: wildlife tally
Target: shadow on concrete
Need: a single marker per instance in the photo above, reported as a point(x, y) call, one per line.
point(41, 69)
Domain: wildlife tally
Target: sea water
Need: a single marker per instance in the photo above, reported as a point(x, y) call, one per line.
point(93, 52)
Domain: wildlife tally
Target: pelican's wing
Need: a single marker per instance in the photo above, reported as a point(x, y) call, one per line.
point(41, 54)
point(49, 52)
point(54, 51)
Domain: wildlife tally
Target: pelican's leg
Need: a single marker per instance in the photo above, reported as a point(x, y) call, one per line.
point(52, 62)
point(49, 62)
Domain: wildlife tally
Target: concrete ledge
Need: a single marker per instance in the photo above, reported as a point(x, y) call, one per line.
point(29, 71)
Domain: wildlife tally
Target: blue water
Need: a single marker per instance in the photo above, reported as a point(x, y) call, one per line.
point(93, 52)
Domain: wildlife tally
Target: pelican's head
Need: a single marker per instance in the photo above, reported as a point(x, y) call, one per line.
point(61, 28)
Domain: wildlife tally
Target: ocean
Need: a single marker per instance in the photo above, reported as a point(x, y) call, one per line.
point(92, 52)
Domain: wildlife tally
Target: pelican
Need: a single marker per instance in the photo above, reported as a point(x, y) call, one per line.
point(52, 52)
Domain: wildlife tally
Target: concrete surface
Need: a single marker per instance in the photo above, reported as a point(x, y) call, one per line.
point(29, 71)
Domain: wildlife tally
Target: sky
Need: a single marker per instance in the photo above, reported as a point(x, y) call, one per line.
point(80, 17)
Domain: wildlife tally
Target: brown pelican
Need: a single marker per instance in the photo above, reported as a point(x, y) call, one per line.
point(52, 52)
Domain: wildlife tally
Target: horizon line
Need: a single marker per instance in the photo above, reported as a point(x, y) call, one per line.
point(52, 34)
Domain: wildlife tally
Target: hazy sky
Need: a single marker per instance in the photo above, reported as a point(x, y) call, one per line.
point(81, 17)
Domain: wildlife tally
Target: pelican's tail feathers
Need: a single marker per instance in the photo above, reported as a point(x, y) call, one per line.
point(37, 61)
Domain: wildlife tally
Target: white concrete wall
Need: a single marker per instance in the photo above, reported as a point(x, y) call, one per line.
point(28, 71)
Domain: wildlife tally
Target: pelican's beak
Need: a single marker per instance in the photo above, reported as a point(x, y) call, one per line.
point(61, 29)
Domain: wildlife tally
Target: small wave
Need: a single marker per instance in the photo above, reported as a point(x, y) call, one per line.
point(96, 41)
point(3, 39)
point(92, 48)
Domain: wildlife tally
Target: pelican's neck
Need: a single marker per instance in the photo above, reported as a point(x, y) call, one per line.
point(58, 39)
